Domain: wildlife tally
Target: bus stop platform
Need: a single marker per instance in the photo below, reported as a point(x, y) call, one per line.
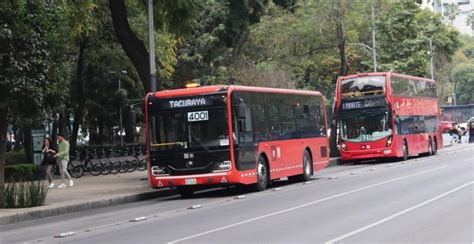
point(92, 192)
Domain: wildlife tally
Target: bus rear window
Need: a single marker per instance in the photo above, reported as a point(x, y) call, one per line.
point(363, 86)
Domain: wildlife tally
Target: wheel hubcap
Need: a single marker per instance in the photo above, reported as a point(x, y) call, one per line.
point(307, 166)
point(262, 174)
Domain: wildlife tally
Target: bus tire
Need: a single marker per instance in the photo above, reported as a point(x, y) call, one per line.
point(430, 148)
point(435, 146)
point(186, 192)
point(405, 151)
point(307, 169)
point(262, 174)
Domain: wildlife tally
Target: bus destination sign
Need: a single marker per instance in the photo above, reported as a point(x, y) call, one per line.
point(186, 102)
point(364, 103)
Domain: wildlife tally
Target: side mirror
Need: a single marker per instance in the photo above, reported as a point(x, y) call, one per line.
point(242, 110)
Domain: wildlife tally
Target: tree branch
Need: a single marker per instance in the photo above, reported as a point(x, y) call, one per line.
point(131, 44)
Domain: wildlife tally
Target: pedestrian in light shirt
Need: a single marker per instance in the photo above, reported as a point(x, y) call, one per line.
point(63, 158)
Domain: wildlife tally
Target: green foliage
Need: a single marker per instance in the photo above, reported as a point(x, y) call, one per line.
point(470, 20)
point(204, 56)
point(178, 17)
point(25, 194)
point(404, 34)
point(15, 157)
point(464, 78)
point(36, 37)
point(21, 172)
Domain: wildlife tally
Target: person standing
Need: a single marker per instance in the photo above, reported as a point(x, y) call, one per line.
point(63, 159)
point(48, 160)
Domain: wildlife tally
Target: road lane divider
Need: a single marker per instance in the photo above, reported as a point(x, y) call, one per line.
point(398, 214)
point(65, 234)
point(306, 204)
point(138, 219)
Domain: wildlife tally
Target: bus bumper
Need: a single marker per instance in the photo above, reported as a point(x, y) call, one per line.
point(368, 154)
point(191, 180)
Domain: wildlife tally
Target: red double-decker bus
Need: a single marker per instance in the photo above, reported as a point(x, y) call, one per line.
point(383, 115)
point(234, 135)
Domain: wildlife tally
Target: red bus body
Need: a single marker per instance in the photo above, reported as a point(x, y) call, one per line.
point(284, 157)
point(412, 113)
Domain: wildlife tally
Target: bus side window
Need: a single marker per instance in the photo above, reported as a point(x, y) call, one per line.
point(244, 123)
point(273, 120)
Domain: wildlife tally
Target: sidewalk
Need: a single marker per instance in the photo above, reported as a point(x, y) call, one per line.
point(91, 192)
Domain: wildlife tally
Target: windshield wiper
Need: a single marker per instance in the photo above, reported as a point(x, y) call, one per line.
point(199, 142)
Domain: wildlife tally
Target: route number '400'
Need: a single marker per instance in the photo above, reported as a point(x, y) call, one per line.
point(198, 116)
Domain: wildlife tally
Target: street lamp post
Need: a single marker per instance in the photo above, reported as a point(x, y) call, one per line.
point(374, 51)
point(151, 37)
point(123, 72)
point(431, 59)
point(120, 115)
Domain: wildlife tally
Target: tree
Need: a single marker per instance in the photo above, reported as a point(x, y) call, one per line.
point(176, 17)
point(452, 10)
point(403, 36)
point(84, 25)
point(33, 79)
point(204, 56)
point(464, 82)
point(470, 21)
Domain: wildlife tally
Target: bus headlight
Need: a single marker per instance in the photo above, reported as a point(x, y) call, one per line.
point(223, 166)
point(389, 141)
point(157, 170)
point(343, 145)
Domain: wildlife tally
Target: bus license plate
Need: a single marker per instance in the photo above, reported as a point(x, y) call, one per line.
point(198, 116)
point(190, 182)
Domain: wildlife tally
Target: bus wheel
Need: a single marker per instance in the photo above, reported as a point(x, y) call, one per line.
point(262, 174)
point(307, 169)
point(186, 192)
point(405, 151)
point(430, 148)
point(435, 147)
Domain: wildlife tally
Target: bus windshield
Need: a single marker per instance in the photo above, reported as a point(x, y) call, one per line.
point(366, 126)
point(202, 129)
point(363, 86)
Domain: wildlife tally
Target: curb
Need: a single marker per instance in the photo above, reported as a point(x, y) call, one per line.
point(43, 213)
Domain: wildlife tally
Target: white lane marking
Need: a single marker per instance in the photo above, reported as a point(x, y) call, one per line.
point(138, 219)
point(65, 234)
point(399, 213)
point(305, 205)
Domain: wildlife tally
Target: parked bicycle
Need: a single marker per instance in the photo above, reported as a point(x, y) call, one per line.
point(104, 160)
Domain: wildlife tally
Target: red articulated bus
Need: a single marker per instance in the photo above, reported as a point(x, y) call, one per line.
point(386, 115)
point(227, 135)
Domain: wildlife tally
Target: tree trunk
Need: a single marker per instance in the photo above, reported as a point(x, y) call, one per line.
point(28, 144)
point(54, 132)
point(342, 47)
point(131, 44)
point(101, 132)
point(79, 92)
point(3, 133)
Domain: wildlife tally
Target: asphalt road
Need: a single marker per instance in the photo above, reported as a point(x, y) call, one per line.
point(422, 200)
